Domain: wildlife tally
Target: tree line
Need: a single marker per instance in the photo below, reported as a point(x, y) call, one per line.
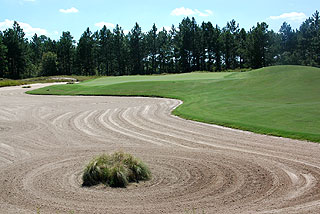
point(185, 48)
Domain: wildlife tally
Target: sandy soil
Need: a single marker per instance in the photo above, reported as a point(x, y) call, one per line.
point(45, 141)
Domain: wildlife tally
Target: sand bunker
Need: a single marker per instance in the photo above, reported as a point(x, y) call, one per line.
point(45, 141)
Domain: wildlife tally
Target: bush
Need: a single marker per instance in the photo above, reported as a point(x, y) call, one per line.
point(115, 170)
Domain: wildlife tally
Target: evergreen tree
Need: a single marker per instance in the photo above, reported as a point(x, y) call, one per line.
point(257, 44)
point(85, 61)
point(120, 52)
point(48, 44)
point(3, 58)
point(165, 52)
point(315, 43)
point(95, 52)
point(37, 47)
point(190, 47)
point(136, 50)
point(217, 41)
point(174, 53)
point(206, 46)
point(16, 45)
point(152, 49)
point(184, 40)
point(287, 38)
point(36, 52)
point(105, 55)
point(309, 41)
point(49, 64)
point(272, 48)
point(195, 45)
point(65, 53)
point(242, 48)
point(230, 33)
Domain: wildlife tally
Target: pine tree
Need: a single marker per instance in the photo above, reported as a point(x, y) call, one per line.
point(105, 55)
point(49, 64)
point(16, 45)
point(175, 46)
point(315, 44)
point(230, 46)
point(217, 41)
point(3, 58)
point(36, 52)
point(152, 49)
point(184, 39)
point(242, 48)
point(120, 52)
point(85, 60)
point(257, 45)
point(165, 52)
point(136, 50)
point(65, 53)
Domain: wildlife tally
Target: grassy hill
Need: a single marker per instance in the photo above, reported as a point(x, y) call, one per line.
point(279, 100)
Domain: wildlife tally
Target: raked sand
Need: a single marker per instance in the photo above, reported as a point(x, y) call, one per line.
point(45, 142)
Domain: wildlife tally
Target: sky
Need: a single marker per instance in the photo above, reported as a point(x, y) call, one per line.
point(52, 17)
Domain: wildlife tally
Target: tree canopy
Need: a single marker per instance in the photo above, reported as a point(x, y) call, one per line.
point(188, 47)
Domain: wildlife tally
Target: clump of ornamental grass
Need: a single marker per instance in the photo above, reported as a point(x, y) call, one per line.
point(115, 170)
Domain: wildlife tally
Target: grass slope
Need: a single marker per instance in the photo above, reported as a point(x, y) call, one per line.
point(279, 100)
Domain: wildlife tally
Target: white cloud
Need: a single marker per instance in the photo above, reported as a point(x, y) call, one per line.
point(202, 14)
point(107, 24)
point(182, 11)
point(30, 0)
point(27, 29)
point(126, 32)
point(293, 16)
point(209, 12)
point(71, 10)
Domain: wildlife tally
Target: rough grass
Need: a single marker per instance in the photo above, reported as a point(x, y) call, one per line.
point(279, 100)
point(70, 79)
point(115, 170)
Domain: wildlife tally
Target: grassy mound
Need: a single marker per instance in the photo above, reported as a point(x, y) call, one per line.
point(115, 170)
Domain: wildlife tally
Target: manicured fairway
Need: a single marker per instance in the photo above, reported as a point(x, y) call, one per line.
point(279, 100)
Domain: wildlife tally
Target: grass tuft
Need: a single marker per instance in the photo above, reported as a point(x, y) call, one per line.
point(115, 170)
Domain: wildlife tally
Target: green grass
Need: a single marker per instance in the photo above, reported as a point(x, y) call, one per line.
point(115, 170)
point(10, 82)
point(279, 100)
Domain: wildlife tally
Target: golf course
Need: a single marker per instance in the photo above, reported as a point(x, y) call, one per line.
point(128, 153)
point(159, 107)
point(278, 100)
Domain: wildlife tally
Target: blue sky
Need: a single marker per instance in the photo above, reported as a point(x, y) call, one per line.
point(52, 17)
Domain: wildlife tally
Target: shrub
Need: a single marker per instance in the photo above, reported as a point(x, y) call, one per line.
point(115, 170)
